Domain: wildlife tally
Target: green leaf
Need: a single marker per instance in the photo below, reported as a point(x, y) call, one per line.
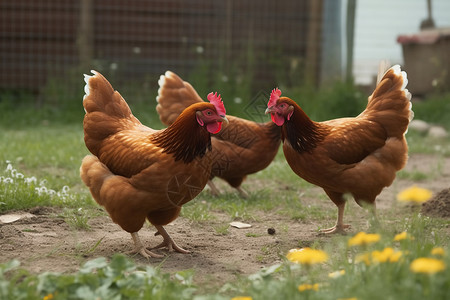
point(8, 266)
point(91, 265)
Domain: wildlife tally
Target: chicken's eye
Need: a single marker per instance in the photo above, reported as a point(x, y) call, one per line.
point(208, 113)
point(282, 106)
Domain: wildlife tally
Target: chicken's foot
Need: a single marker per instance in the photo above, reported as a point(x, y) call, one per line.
point(139, 248)
point(168, 241)
point(340, 226)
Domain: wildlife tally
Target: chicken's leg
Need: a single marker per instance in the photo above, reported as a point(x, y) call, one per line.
point(214, 190)
point(139, 248)
point(168, 241)
point(242, 192)
point(340, 226)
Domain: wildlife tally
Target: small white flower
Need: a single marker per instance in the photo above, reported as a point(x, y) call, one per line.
point(136, 50)
point(30, 180)
point(8, 180)
point(19, 176)
point(65, 189)
point(113, 66)
point(9, 167)
point(199, 49)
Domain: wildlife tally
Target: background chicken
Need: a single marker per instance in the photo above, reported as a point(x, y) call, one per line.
point(357, 155)
point(138, 173)
point(237, 149)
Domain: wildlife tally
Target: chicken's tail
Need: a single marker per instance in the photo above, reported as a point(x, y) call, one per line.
point(106, 111)
point(390, 103)
point(93, 173)
point(174, 95)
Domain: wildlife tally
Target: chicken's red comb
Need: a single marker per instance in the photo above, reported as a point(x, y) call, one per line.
point(218, 104)
point(274, 96)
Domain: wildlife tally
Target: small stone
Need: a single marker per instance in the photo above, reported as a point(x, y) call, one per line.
point(271, 231)
point(10, 218)
point(437, 132)
point(240, 225)
point(419, 125)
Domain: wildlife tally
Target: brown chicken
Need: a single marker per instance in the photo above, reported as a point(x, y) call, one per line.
point(360, 155)
point(138, 173)
point(243, 147)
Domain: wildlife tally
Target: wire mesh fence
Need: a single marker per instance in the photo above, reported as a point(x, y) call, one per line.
point(238, 47)
point(262, 42)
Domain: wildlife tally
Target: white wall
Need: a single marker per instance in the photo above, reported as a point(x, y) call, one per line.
point(377, 25)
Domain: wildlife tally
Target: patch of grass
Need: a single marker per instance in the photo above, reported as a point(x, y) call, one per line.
point(78, 218)
point(97, 279)
point(196, 212)
point(253, 234)
point(434, 109)
point(417, 143)
point(84, 251)
point(291, 206)
point(50, 153)
point(413, 175)
point(221, 229)
point(17, 191)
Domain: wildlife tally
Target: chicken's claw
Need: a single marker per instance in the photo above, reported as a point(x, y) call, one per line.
point(171, 246)
point(139, 248)
point(335, 229)
point(169, 242)
point(145, 253)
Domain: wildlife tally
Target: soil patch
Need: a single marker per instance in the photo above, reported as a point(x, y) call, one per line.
point(438, 206)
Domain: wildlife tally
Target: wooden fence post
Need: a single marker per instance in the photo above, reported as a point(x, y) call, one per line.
point(314, 42)
point(86, 34)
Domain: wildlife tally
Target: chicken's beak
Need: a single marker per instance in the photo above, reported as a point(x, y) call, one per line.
point(269, 110)
point(223, 119)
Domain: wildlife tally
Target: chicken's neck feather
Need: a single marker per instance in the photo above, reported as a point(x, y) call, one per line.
point(274, 130)
point(185, 138)
point(301, 132)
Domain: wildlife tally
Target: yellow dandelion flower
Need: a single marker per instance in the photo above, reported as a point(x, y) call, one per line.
point(242, 298)
point(438, 251)
point(307, 256)
point(414, 195)
point(363, 239)
point(48, 297)
point(427, 265)
point(336, 274)
point(402, 236)
point(395, 257)
point(387, 255)
point(365, 258)
point(307, 287)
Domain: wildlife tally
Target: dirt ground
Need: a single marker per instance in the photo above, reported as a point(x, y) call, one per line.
point(44, 242)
